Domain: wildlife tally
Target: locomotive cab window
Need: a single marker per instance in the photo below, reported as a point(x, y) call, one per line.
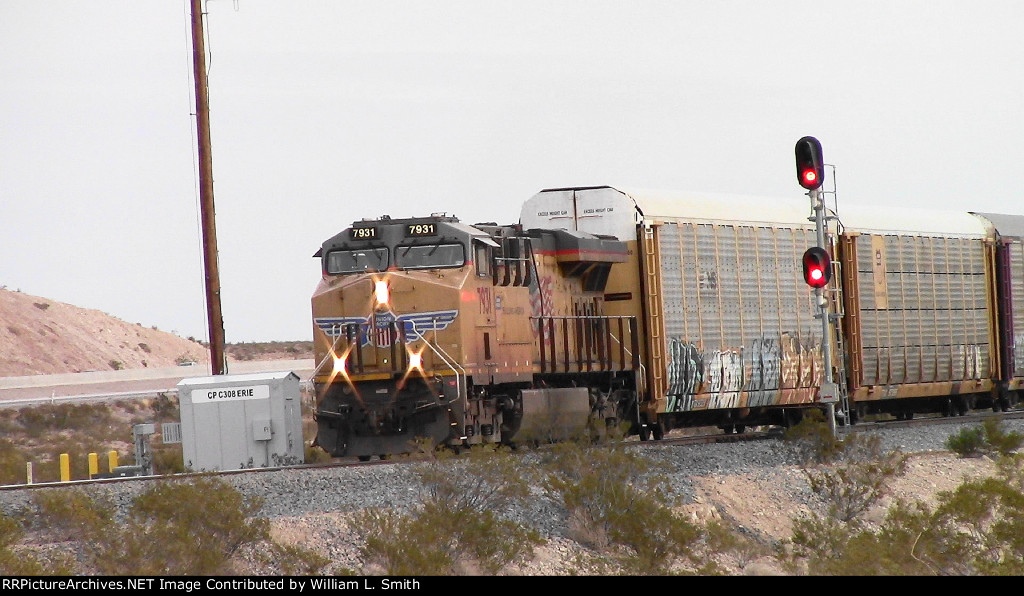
point(482, 258)
point(356, 261)
point(430, 256)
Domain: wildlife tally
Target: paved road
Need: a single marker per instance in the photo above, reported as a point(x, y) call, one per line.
point(127, 383)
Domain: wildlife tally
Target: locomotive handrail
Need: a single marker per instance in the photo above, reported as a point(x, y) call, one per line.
point(337, 329)
point(447, 359)
point(579, 344)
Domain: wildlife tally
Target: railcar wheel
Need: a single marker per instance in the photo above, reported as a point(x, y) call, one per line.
point(657, 431)
point(859, 413)
point(365, 457)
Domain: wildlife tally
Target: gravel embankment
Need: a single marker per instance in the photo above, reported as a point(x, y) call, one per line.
point(303, 494)
point(300, 491)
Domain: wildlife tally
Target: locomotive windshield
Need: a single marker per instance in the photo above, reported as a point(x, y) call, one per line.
point(433, 256)
point(357, 261)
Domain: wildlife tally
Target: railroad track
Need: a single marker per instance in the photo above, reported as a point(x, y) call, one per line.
point(708, 436)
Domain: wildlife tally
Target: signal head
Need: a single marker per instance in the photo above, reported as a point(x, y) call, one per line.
point(810, 169)
point(817, 267)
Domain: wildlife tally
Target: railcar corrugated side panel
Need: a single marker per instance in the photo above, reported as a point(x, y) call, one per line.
point(739, 327)
point(1015, 334)
point(922, 313)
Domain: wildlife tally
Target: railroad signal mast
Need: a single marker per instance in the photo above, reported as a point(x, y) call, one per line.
point(817, 265)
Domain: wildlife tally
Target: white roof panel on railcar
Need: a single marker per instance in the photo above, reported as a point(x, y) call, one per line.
point(616, 211)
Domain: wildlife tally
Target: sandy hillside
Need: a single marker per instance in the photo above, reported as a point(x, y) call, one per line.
point(43, 336)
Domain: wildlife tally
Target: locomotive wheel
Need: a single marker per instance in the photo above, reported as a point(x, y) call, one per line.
point(645, 432)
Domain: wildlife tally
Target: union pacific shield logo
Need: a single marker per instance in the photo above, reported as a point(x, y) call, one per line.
point(377, 329)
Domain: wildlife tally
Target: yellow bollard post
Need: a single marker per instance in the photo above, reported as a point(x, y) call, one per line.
point(94, 465)
point(28, 472)
point(112, 461)
point(65, 467)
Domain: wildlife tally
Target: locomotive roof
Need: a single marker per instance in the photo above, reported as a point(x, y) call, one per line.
point(653, 205)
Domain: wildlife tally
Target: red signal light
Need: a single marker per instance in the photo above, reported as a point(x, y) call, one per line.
point(817, 267)
point(810, 169)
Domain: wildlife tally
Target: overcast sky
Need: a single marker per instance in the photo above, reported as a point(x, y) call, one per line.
point(324, 112)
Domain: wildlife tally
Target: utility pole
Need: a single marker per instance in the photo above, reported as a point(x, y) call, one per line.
point(213, 312)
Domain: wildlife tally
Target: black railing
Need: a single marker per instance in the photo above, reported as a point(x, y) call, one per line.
point(587, 343)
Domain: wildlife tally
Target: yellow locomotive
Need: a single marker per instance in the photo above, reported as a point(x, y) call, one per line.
point(428, 328)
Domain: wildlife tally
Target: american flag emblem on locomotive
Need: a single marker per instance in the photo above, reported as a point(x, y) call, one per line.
point(381, 329)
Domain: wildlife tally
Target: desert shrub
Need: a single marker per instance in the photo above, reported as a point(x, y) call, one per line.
point(189, 527)
point(991, 437)
point(181, 528)
point(812, 439)
point(968, 442)
point(145, 348)
point(12, 561)
point(1001, 441)
point(73, 512)
point(165, 408)
point(316, 454)
point(12, 463)
point(859, 479)
point(723, 538)
point(292, 559)
point(855, 479)
point(618, 503)
point(116, 365)
point(976, 529)
point(184, 359)
point(456, 529)
point(93, 419)
point(168, 459)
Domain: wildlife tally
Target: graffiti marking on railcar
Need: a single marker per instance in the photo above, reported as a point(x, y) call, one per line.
point(708, 280)
point(723, 373)
point(685, 374)
point(801, 366)
point(765, 372)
